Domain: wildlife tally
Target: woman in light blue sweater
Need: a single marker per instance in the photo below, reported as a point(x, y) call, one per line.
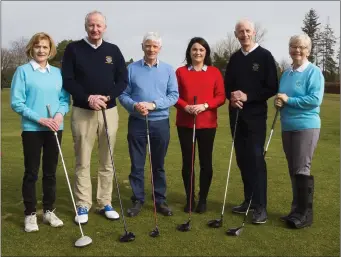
point(300, 96)
point(34, 86)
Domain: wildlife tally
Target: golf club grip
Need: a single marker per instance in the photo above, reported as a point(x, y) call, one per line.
point(275, 119)
point(49, 110)
point(105, 119)
point(195, 99)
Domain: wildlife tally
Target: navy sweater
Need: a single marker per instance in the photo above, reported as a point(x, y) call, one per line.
point(254, 74)
point(88, 71)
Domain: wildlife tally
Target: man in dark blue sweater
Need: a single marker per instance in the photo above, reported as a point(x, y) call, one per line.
point(94, 73)
point(250, 80)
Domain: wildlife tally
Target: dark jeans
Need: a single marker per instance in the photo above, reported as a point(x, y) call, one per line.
point(137, 141)
point(249, 146)
point(205, 139)
point(33, 143)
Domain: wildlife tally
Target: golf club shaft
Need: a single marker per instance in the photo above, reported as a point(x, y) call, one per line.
point(192, 170)
point(114, 170)
point(65, 171)
point(231, 154)
point(151, 170)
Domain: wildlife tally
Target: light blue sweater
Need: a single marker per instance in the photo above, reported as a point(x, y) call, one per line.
point(305, 91)
point(156, 84)
point(32, 91)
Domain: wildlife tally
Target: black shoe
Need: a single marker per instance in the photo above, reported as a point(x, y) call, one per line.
point(164, 209)
point(135, 210)
point(286, 217)
point(243, 207)
point(260, 215)
point(201, 208)
point(186, 208)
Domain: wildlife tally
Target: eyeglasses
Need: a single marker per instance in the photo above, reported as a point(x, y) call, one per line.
point(299, 47)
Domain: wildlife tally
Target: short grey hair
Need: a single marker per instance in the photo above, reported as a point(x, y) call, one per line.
point(242, 21)
point(92, 13)
point(303, 38)
point(153, 36)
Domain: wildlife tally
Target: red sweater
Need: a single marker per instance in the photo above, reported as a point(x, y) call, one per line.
point(208, 86)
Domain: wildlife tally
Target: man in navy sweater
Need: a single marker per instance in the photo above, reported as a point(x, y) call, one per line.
point(250, 80)
point(94, 73)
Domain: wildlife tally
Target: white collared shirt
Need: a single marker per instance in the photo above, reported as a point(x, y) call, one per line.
point(36, 66)
point(92, 45)
point(301, 68)
point(155, 64)
point(204, 68)
point(252, 49)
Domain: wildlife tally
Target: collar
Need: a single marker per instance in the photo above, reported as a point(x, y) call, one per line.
point(204, 68)
point(253, 48)
point(36, 66)
point(92, 45)
point(143, 62)
point(301, 68)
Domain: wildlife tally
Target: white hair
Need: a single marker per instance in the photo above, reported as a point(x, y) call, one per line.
point(243, 21)
point(303, 38)
point(153, 36)
point(92, 13)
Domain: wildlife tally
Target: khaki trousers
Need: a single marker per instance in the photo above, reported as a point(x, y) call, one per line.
point(86, 126)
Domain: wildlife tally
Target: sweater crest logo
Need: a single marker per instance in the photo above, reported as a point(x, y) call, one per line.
point(108, 60)
point(255, 67)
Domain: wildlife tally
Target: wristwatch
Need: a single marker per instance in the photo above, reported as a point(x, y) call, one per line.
point(108, 98)
point(206, 106)
point(154, 105)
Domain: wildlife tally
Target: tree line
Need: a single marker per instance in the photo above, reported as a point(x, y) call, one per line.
point(323, 52)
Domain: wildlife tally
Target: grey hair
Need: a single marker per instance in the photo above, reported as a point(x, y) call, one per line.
point(153, 36)
point(242, 21)
point(303, 38)
point(94, 12)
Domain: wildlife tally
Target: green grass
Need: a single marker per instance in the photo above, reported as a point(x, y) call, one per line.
point(272, 238)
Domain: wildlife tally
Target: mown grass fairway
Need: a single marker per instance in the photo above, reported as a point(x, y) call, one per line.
point(270, 239)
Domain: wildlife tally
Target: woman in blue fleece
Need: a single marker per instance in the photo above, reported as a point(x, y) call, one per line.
point(34, 86)
point(300, 96)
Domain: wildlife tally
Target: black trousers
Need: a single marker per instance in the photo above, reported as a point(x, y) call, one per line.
point(205, 139)
point(33, 143)
point(249, 147)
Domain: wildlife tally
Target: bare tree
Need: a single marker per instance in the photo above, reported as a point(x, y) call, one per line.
point(283, 65)
point(260, 33)
point(18, 51)
point(6, 59)
point(227, 46)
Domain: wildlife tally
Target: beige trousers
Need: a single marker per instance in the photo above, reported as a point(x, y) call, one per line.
point(86, 126)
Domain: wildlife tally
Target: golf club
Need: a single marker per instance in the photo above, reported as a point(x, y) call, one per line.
point(155, 232)
point(186, 226)
point(128, 236)
point(219, 222)
point(84, 240)
point(237, 231)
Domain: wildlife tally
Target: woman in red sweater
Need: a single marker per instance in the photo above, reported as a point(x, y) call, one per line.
point(198, 78)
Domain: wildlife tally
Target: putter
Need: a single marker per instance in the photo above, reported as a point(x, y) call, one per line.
point(187, 226)
point(217, 223)
point(237, 231)
point(128, 236)
point(84, 240)
point(155, 232)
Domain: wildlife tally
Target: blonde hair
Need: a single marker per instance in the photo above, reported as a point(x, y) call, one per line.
point(303, 38)
point(35, 40)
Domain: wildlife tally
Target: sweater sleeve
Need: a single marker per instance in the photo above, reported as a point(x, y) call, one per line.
point(270, 86)
point(313, 98)
point(125, 97)
point(219, 93)
point(228, 79)
point(181, 103)
point(172, 93)
point(18, 96)
point(64, 102)
point(68, 73)
point(121, 76)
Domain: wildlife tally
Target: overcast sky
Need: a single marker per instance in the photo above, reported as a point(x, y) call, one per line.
point(177, 22)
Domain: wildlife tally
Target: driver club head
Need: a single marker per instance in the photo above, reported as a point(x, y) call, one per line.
point(217, 223)
point(83, 241)
point(234, 231)
point(184, 227)
point(154, 233)
point(127, 237)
